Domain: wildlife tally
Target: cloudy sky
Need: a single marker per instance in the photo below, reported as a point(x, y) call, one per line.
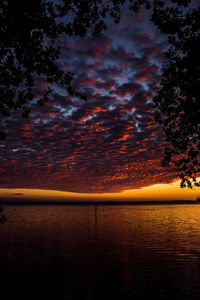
point(107, 144)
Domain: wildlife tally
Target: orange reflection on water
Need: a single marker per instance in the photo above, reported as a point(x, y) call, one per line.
point(123, 250)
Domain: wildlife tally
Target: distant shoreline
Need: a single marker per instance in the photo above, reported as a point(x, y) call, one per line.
point(54, 202)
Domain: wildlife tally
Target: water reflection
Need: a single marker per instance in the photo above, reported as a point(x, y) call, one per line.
point(3, 218)
point(101, 252)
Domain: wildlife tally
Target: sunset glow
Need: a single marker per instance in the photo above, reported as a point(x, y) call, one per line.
point(154, 192)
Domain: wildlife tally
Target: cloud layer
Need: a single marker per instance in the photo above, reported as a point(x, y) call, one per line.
point(109, 143)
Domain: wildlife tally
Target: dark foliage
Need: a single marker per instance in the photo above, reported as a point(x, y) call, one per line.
point(177, 103)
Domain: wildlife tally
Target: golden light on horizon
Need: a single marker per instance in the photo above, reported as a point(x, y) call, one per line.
point(170, 191)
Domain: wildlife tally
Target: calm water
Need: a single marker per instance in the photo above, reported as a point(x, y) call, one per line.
point(108, 252)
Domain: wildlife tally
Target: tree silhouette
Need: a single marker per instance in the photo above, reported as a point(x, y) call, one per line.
point(177, 103)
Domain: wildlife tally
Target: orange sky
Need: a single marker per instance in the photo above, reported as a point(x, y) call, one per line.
point(155, 192)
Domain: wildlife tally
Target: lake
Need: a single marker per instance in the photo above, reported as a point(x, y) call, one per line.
point(100, 252)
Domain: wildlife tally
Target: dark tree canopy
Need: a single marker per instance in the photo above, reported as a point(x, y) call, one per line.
point(29, 50)
point(177, 102)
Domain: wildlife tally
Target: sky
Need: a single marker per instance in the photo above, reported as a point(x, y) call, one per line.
point(108, 145)
point(156, 192)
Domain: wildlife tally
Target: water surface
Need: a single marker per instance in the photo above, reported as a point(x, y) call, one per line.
point(100, 252)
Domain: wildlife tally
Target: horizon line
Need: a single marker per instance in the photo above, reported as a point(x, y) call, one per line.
point(109, 202)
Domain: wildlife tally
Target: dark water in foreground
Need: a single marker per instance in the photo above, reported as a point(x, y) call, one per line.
point(112, 252)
